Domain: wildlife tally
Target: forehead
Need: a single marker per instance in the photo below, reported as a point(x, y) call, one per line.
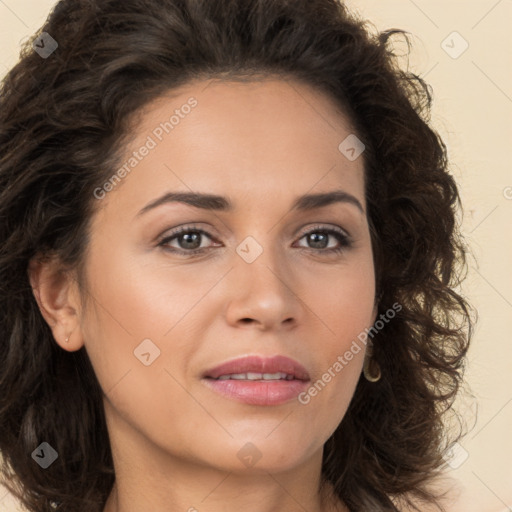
point(267, 139)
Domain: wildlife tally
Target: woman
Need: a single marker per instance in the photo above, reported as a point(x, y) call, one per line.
point(229, 254)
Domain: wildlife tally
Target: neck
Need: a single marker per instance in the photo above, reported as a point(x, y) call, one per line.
point(258, 495)
point(147, 479)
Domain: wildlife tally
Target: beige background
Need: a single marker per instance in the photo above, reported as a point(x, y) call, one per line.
point(472, 112)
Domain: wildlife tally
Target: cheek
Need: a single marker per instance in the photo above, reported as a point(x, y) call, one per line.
point(344, 308)
point(124, 312)
point(136, 334)
point(345, 303)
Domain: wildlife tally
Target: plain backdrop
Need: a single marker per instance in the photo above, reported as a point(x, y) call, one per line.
point(462, 48)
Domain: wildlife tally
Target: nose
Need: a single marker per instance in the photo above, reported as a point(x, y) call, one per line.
point(261, 293)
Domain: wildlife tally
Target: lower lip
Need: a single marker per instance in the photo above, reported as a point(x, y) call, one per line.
point(258, 392)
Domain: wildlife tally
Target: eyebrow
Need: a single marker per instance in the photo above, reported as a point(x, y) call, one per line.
point(223, 204)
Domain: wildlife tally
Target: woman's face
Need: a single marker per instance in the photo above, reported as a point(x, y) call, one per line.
point(162, 317)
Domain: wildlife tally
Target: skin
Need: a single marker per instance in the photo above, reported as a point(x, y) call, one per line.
point(174, 441)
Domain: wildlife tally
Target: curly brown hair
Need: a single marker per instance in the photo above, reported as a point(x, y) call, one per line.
point(63, 122)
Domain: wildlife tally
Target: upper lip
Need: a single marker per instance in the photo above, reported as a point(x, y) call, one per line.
point(259, 364)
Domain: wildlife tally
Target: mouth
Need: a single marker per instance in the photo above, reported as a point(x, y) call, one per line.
point(256, 380)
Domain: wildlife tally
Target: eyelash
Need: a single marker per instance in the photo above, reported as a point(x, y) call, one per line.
point(344, 239)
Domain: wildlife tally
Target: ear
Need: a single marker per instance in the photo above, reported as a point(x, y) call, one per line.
point(56, 293)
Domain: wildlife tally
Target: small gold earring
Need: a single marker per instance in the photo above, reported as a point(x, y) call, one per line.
point(371, 367)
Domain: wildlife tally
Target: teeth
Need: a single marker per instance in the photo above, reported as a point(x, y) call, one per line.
point(274, 376)
point(257, 376)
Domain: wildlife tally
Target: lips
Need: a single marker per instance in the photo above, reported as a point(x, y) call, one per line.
point(256, 380)
point(260, 365)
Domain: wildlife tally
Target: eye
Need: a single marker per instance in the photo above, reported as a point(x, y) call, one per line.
point(319, 237)
point(189, 239)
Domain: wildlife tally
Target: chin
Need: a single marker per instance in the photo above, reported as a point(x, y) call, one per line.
point(260, 454)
